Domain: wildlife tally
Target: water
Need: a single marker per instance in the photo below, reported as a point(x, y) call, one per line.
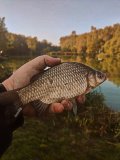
point(110, 88)
point(112, 94)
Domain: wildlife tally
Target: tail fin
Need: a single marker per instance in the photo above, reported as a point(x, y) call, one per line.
point(8, 97)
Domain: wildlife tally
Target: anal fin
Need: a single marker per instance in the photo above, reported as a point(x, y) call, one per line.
point(39, 106)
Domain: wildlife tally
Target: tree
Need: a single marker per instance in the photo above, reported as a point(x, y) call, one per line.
point(93, 28)
point(73, 33)
point(32, 44)
point(90, 45)
point(3, 34)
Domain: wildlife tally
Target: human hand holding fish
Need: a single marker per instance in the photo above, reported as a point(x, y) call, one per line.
point(22, 77)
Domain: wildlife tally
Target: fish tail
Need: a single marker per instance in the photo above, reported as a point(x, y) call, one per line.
point(8, 97)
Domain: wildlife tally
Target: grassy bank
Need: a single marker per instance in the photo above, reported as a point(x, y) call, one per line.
point(92, 135)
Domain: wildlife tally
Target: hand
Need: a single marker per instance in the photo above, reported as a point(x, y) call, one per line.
point(66, 104)
point(21, 77)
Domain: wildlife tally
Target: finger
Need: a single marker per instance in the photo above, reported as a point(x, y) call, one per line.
point(56, 108)
point(67, 104)
point(81, 99)
point(50, 61)
point(42, 62)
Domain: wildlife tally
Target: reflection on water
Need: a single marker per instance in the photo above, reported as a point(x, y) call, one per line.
point(110, 88)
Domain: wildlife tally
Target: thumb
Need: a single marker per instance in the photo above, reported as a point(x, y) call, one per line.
point(42, 62)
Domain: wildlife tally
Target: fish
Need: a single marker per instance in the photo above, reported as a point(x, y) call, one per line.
point(64, 81)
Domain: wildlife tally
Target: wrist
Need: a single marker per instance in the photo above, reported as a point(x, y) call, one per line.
point(8, 84)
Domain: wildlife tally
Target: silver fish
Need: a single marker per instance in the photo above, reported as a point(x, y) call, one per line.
point(64, 81)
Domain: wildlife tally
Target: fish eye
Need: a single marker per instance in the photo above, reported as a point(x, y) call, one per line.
point(100, 76)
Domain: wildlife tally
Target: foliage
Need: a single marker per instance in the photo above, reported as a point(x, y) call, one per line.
point(18, 45)
point(3, 33)
point(92, 44)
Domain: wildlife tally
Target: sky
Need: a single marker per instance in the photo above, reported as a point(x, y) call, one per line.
point(52, 19)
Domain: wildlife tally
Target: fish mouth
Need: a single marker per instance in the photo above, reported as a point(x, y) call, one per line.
point(105, 78)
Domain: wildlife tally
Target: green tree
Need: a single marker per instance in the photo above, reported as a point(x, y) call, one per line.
point(3, 34)
point(17, 45)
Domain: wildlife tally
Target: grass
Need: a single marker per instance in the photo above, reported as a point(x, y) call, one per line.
point(37, 141)
point(92, 135)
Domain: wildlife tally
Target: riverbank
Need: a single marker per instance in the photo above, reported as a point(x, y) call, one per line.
point(92, 134)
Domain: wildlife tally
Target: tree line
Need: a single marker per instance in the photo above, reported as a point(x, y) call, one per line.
point(19, 45)
point(98, 43)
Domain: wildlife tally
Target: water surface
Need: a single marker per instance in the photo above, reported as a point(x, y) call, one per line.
point(112, 94)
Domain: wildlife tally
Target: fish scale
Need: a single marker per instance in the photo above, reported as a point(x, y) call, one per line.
point(64, 81)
